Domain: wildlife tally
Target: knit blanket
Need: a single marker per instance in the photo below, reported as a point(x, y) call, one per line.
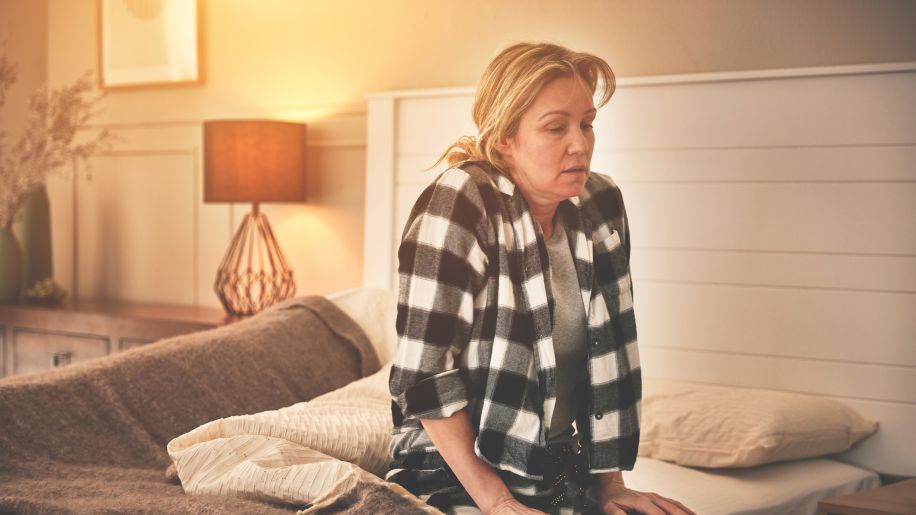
point(91, 437)
point(323, 455)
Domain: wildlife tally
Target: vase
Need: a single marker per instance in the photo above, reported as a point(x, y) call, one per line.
point(10, 267)
point(32, 228)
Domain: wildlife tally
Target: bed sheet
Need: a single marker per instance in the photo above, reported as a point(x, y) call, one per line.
point(788, 488)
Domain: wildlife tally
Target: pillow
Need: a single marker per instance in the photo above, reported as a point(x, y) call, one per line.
point(722, 426)
point(375, 311)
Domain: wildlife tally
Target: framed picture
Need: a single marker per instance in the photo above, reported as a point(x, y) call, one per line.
point(149, 43)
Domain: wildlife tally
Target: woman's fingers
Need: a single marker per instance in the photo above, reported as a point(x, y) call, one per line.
point(670, 506)
point(646, 503)
point(646, 506)
point(686, 510)
point(634, 500)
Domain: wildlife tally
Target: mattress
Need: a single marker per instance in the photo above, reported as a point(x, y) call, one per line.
point(789, 488)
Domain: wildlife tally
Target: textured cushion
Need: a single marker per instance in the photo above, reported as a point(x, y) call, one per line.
point(375, 311)
point(723, 426)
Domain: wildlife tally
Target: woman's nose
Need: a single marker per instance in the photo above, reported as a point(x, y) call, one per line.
point(578, 142)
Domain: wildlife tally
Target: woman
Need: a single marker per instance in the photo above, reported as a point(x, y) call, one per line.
point(516, 383)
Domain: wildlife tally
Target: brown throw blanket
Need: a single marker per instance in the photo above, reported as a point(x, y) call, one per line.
point(92, 437)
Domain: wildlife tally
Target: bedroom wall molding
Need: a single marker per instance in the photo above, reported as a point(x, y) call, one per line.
point(312, 141)
point(340, 143)
point(192, 153)
point(189, 151)
point(307, 113)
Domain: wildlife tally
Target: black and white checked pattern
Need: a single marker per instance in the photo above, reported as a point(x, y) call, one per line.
point(474, 321)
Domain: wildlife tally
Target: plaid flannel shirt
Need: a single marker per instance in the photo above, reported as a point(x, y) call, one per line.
point(475, 317)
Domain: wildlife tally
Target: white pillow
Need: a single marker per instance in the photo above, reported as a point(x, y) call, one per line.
point(375, 311)
point(723, 426)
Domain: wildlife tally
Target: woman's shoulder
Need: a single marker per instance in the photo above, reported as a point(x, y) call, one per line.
point(464, 190)
point(475, 181)
point(599, 182)
point(601, 197)
point(601, 188)
point(479, 173)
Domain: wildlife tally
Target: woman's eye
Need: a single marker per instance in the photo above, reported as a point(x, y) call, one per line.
point(587, 126)
point(556, 130)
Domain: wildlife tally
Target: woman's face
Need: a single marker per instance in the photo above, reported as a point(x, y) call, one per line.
point(550, 156)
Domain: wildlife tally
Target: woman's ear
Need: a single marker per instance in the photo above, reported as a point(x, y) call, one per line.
point(504, 149)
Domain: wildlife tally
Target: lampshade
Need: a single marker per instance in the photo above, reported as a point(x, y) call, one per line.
point(254, 161)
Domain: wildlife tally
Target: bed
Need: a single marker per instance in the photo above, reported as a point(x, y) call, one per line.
point(302, 455)
point(287, 411)
point(771, 214)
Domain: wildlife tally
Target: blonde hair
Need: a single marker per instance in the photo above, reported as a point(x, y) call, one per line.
point(509, 86)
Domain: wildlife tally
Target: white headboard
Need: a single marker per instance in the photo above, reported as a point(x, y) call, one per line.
point(773, 220)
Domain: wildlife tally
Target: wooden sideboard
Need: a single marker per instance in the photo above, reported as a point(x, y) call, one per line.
point(37, 338)
point(894, 499)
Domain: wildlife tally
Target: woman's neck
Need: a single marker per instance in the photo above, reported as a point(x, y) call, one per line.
point(543, 215)
point(542, 211)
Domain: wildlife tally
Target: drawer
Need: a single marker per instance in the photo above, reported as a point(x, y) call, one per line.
point(36, 338)
point(127, 343)
point(34, 350)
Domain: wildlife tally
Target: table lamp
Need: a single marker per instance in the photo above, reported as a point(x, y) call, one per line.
point(253, 161)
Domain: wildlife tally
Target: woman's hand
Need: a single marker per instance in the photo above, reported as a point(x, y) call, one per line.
point(619, 500)
point(616, 499)
point(512, 506)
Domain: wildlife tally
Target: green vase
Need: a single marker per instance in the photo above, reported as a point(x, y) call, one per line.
point(32, 228)
point(10, 267)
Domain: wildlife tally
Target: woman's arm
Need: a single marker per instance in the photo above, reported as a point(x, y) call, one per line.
point(454, 439)
point(616, 499)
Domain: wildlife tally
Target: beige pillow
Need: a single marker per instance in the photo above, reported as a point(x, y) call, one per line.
point(723, 426)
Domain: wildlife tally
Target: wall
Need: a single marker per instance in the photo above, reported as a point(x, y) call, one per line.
point(25, 44)
point(144, 233)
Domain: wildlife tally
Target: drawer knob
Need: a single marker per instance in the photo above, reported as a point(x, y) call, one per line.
point(60, 359)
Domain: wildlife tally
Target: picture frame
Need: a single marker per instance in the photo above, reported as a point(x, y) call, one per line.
point(149, 43)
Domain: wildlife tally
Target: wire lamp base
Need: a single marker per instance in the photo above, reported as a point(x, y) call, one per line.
point(254, 273)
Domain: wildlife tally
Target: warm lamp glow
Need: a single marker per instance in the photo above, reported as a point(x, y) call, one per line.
point(254, 161)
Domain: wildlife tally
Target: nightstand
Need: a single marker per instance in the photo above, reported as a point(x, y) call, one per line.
point(37, 338)
point(894, 499)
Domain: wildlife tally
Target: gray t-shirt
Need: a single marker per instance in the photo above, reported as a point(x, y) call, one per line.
point(569, 332)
